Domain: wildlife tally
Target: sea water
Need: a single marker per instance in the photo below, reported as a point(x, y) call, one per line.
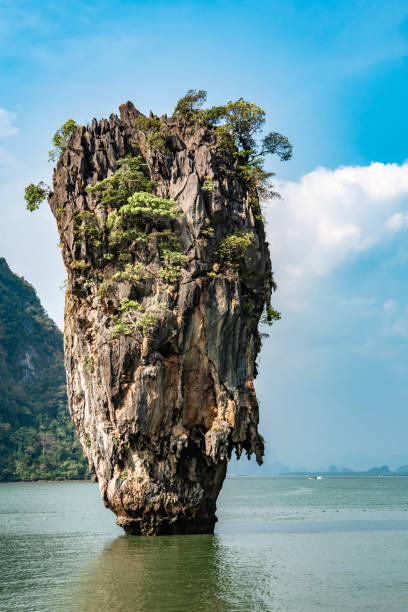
point(337, 544)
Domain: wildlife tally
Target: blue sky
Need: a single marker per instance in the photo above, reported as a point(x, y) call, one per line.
point(332, 76)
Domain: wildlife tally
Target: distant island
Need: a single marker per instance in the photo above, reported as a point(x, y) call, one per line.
point(37, 439)
point(273, 467)
point(383, 470)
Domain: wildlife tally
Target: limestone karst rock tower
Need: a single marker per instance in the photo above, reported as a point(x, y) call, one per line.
point(165, 291)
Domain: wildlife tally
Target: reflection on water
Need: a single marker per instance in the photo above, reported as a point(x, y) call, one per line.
point(168, 573)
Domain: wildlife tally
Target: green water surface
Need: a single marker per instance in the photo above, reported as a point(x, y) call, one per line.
point(338, 544)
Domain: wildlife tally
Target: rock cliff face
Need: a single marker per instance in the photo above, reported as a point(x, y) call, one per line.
point(160, 358)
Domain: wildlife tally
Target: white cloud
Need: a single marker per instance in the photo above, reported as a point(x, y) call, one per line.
point(397, 222)
point(6, 123)
point(400, 328)
point(330, 215)
point(389, 306)
point(8, 163)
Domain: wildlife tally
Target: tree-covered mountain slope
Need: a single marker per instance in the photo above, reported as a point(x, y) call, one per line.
point(37, 439)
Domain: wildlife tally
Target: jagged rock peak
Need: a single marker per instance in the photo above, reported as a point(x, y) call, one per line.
point(168, 275)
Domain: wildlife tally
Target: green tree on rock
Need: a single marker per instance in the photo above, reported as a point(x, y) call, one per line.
point(237, 125)
point(35, 194)
point(61, 138)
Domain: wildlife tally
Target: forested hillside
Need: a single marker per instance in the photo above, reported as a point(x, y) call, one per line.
point(37, 439)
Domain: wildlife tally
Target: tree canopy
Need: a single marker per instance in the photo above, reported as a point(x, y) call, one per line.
point(61, 138)
point(237, 125)
point(35, 194)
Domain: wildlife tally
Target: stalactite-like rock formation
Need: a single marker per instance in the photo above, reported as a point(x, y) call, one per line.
point(160, 344)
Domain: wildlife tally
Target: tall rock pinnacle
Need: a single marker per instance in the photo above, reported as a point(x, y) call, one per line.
point(165, 291)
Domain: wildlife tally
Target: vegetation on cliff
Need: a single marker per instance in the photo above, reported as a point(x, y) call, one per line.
point(136, 215)
point(61, 138)
point(35, 194)
point(37, 439)
point(237, 125)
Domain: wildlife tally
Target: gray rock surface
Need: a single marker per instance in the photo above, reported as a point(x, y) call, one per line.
point(158, 416)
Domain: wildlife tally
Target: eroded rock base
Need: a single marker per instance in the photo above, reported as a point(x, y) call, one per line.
point(165, 526)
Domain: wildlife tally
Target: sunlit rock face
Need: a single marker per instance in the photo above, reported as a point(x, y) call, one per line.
point(159, 410)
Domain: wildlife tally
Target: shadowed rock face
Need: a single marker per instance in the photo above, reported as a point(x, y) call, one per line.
point(159, 415)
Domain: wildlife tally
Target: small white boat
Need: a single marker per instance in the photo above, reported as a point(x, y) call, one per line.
point(319, 477)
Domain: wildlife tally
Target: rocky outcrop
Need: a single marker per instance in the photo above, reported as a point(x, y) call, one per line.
point(163, 392)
